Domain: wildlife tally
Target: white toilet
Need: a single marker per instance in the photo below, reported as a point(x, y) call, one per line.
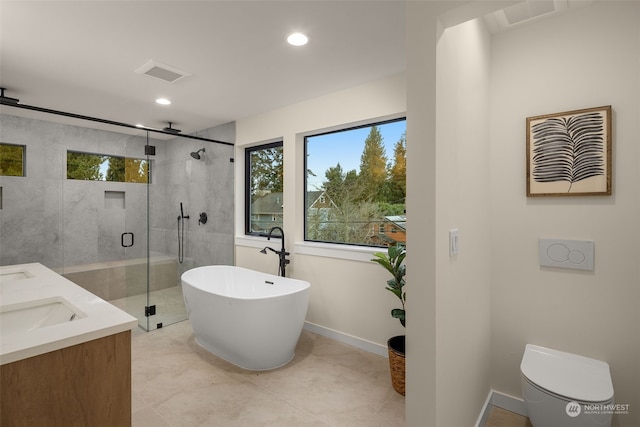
point(564, 389)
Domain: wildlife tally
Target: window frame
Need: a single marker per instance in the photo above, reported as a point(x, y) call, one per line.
point(248, 214)
point(347, 128)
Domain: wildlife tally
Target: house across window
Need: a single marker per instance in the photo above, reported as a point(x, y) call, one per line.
point(264, 188)
point(355, 185)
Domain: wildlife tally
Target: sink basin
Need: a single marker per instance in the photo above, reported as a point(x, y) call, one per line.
point(12, 274)
point(41, 311)
point(31, 315)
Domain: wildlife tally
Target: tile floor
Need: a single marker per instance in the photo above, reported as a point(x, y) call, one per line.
point(499, 417)
point(169, 306)
point(177, 383)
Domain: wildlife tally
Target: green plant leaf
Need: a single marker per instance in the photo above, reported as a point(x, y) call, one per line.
point(397, 292)
point(399, 314)
point(392, 261)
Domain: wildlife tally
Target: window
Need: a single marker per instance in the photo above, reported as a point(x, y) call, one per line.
point(12, 160)
point(264, 188)
point(102, 167)
point(356, 185)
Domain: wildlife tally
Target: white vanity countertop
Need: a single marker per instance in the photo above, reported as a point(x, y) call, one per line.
point(31, 282)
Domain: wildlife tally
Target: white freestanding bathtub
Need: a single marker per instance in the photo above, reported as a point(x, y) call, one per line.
point(248, 318)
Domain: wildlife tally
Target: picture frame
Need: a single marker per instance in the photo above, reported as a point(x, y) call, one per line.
point(569, 153)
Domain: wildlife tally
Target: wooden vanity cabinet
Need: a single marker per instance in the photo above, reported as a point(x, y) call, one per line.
point(87, 385)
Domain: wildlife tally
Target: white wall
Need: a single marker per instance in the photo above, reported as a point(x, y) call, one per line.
point(472, 314)
point(347, 290)
point(421, 387)
point(587, 58)
point(448, 339)
point(462, 195)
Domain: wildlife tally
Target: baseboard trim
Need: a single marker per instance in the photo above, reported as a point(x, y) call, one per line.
point(501, 400)
point(360, 343)
point(509, 403)
point(484, 413)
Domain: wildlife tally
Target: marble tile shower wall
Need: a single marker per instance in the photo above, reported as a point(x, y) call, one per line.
point(204, 185)
point(47, 218)
point(30, 207)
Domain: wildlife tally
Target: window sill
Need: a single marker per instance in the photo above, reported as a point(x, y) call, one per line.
point(327, 250)
point(251, 241)
point(331, 250)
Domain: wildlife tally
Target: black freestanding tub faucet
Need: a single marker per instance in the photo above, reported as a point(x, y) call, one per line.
point(282, 253)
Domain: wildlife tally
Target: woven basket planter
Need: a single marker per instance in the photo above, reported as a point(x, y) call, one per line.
point(395, 346)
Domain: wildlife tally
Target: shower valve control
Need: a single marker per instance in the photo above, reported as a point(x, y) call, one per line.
point(203, 218)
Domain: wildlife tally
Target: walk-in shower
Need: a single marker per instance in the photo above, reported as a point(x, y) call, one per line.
point(110, 225)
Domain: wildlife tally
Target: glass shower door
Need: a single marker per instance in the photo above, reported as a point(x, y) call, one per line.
point(135, 171)
point(150, 274)
point(164, 303)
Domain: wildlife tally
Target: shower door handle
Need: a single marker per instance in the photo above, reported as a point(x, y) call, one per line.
point(122, 240)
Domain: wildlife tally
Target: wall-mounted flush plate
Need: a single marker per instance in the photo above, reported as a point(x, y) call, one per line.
point(574, 254)
point(454, 241)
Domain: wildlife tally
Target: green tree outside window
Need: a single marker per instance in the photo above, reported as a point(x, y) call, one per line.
point(11, 160)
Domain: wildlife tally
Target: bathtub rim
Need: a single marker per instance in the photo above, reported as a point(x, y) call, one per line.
point(303, 284)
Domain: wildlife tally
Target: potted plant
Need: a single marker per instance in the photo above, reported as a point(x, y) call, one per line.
point(393, 262)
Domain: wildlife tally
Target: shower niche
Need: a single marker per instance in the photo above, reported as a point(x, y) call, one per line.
point(114, 199)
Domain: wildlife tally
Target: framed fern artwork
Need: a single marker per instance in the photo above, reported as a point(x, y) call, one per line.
point(569, 153)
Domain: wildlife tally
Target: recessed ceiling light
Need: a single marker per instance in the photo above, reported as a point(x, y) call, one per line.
point(297, 39)
point(163, 101)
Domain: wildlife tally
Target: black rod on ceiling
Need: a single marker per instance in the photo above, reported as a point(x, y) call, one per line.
point(105, 121)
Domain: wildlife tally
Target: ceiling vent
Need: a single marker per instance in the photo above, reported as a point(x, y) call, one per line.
point(527, 10)
point(162, 71)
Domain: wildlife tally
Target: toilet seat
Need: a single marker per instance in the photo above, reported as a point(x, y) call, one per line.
point(562, 398)
point(566, 375)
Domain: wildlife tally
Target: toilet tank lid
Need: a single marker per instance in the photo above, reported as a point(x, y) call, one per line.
point(570, 375)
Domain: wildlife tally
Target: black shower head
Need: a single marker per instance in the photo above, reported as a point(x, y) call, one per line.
point(264, 251)
point(6, 99)
point(196, 154)
point(171, 129)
